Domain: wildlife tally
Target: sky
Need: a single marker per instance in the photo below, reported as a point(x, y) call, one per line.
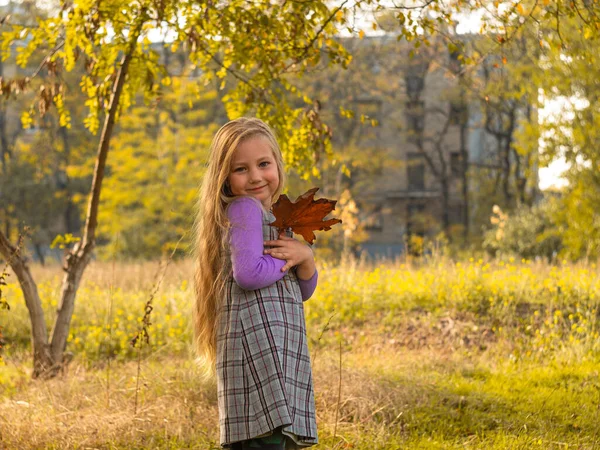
point(551, 176)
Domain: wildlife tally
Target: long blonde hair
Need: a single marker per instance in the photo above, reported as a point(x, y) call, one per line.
point(211, 226)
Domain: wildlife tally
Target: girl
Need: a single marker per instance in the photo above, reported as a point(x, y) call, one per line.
point(250, 286)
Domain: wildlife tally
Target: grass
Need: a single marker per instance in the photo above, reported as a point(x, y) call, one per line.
point(474, 355)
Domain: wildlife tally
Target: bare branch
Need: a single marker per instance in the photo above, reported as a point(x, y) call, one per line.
point(316, 36)
point(562, 42)
point(47, 59)
point(408, 8)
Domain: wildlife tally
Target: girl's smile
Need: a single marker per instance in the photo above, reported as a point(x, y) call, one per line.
point(256, 188)
point(254, 170)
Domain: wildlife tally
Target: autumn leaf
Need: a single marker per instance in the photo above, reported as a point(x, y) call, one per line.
point(305, 215)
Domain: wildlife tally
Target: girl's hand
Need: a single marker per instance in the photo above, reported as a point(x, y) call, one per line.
point(294, 252)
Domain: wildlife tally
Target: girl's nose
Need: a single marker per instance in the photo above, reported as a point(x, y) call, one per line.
point(254, 175)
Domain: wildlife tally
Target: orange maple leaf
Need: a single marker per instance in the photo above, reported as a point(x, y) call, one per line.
point(305, 215)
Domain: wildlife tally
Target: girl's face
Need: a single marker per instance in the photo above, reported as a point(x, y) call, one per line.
point(254, 170)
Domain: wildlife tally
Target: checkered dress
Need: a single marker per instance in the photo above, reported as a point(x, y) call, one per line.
point(264, 377)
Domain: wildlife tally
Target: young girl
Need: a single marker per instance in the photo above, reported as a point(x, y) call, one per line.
point(250, 286)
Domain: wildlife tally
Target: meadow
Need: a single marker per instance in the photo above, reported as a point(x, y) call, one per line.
point(406, 354)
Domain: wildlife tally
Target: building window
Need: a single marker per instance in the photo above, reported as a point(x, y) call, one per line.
point(455, 62)
point(457, 113)
point(415, 168)
point(415, 118)
point(455, 164)
point(414, 85)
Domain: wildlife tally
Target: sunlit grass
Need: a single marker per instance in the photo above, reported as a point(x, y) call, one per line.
point(470, 354)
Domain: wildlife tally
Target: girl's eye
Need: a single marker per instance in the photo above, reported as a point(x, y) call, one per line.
point(264, 163)
point(238, 169)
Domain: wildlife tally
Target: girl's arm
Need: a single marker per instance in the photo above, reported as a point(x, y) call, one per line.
point(251, 268)
point(307, 287)
point(299, 255)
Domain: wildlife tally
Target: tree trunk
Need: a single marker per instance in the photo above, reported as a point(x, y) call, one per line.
point(445, 205)
point(48, 358)
point(4, 153)
point(70, 216)
point(464, 167)
point(4, 150)
point(42, 358)
point(7, 224)
point(520, 182)
point(506, 174)
point(508, 147)
point(78, 259)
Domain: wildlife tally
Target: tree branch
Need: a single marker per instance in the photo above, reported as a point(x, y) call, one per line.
point(46, 59)
point(423, 6)
point(7, 250)
point(311, 43)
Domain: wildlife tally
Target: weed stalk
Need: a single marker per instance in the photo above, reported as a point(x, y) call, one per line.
point(143, 334)
point(339, 399)
point(110, 321)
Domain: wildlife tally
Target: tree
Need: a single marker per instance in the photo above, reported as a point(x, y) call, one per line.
point(577, 215)
point(366, 105)
point(509, 103)
point(351, 101)
point(111, 38)
point(39, 185)
point(10, 126)
point(429, 142)
point(528, 232)
point(154, 171)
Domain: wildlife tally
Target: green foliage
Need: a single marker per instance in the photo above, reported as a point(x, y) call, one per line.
point(63, 241)
point(29, 185)
point(155, 167)
point(523, 298)
point(45, 178)
point(564, 224)
point(84, 45)
point(578, 215)
point(291, 37)
point(528, 232)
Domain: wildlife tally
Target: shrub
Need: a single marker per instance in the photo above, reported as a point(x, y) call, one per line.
point(528, 232)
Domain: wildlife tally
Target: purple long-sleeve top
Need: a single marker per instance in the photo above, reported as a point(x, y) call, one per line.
point(251, 268)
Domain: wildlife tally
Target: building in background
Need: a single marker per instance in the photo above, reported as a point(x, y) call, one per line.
point(444, 152)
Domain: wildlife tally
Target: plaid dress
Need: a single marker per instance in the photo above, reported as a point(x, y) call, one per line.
point(264, 376)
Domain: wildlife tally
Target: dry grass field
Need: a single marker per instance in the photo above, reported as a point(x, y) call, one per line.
point(443, 354)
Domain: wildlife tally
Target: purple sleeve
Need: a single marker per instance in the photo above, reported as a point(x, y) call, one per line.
point(307, 287)
point(251, 268)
